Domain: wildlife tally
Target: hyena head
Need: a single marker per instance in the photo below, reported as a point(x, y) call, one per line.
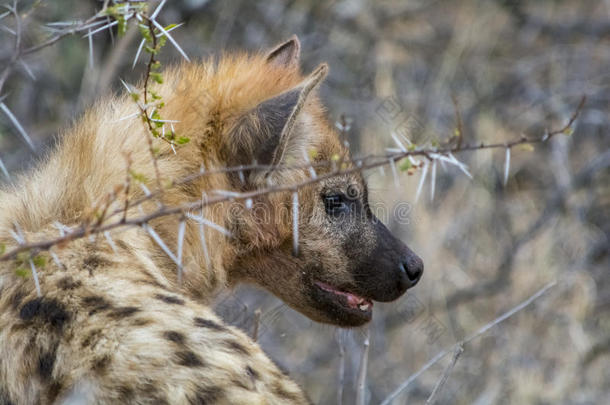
point(345, 258)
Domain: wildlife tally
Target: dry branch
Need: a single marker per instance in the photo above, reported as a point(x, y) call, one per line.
point(388, 400)
point(359, 164)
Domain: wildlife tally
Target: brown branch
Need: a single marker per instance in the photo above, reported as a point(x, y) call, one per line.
point(360, 165)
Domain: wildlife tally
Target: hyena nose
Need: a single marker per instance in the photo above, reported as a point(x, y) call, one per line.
point(412, 267)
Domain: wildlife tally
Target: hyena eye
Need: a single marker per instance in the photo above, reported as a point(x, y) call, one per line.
point(335, 204)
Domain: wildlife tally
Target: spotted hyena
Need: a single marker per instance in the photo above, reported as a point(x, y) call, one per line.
point(115, 322)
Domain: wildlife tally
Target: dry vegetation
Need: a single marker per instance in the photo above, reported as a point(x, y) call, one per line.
point(486, 71)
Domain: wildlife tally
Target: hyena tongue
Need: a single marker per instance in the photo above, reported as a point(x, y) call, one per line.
point(352, 300)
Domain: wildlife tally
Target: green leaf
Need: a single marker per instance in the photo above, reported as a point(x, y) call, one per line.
point(137, 176)
point(39, 261)
point(156, 77)
point(2, 248)
point(405, 164)
point(21, 272)
point(182, 140)
point(145, 32)
point(122, 25)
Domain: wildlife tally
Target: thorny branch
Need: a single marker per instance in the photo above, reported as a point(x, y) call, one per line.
point(358, 165)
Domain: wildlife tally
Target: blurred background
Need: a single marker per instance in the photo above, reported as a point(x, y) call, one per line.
point(505, 68)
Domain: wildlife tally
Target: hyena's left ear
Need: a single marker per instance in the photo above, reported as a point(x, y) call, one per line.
point(265, 134)
point(286, 54)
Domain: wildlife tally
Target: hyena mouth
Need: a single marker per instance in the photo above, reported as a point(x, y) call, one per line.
point(345, 302)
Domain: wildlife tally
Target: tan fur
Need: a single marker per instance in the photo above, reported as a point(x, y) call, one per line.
point(120, 327)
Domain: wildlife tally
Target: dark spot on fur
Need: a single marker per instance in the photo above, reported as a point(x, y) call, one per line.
point(152, 391)
point(47, 310)
point(5, 399)
point(123, 312)
point(53, 391)
point(96, 303)
point(240, 384)
point(100, 364)
point(68, 283)
point(206, 323)
point(170, 299)
point(46, 362)
point(174, 336)
point(141, 322)
point(238, 347)
point(92, 338)
point(252, 373)
point(125, 394)
point(206, 396)
point(94, 261)
point(122, 245)
point(188, 359)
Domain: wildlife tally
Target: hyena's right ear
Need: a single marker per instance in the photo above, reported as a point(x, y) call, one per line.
point(286, 54)
point(266, 134)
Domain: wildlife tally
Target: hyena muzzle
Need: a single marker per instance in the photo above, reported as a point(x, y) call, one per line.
point(115, 322)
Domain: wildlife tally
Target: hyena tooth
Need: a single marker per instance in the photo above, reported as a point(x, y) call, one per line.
point(363, 307)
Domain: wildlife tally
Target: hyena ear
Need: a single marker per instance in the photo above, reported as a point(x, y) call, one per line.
point(264, 133)
point(286, 54)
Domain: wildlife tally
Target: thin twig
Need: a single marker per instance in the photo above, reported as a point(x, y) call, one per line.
point(475, 335)
point(364, 361)
point(459, 349)
point(339, 335)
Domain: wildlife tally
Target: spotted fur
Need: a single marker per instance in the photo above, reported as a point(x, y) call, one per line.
point(114, 323)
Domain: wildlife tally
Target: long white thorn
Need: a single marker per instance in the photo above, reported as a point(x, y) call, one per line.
point(27, 69)
point(171, 39)
point(394, 174)
point(506, 165)
point(181, 230)
point(56, 259)
point(127, 87)
point(35, 275)
point(157, 10)
point(4, 171)
point(142, 42)
point(112, 24)
point(433, 180)
point(206, 222)
point(90, 40)
point(460, 165)
point(397, 141)
point(312, 171)
point(422, 180)
point(135, 60)
point(161, 244)
point(130, 116)
point(204, 246)
point(295, 223)
point(110, 241)
point(17, 125)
